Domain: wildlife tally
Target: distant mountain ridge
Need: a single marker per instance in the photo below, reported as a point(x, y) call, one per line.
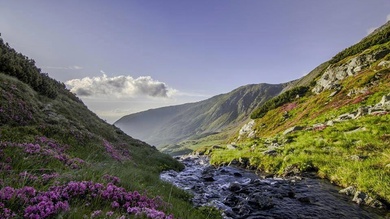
point(170, 125)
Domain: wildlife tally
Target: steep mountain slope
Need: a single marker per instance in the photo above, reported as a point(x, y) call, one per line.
point(338, 125)
point(169, 125)
point(58, 159)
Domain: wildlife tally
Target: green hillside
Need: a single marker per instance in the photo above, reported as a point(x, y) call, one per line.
point(337, 126)
point(174, 124)
point(59, 160)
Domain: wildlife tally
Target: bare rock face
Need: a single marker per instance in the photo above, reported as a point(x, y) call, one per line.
point(330, 80)
point(247, 130)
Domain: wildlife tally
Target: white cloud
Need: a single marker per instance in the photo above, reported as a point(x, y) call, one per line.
point(388, 17)
point(119, 87)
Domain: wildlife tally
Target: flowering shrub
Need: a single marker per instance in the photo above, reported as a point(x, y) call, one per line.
point(112, 179)
point(14, 110)
point(34, 204)
point(47, 147)
point(289, 106)
point(119, 154)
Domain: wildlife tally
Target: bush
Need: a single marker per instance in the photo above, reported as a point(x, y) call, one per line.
point(380, 37)
point(277, 101)
point(17, 65)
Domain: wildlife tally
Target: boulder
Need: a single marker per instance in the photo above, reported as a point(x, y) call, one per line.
point(247, 130)
point(237, 174)
point(376, 111)
point(346, 116)
point(384, 63)
point(385, 100)
point(362, 111)
point(350, 190)
point(208, 174)
point(270, 152)
point(357, 157)
point(333, 93)
point(234, 187)
point(260, 201)
point(304, 199)
point(231, 146)
point(292, 129)
point(362, 198)
point(330, 123)
point(291, 171)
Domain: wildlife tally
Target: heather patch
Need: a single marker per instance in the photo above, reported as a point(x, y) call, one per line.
point(27, 202)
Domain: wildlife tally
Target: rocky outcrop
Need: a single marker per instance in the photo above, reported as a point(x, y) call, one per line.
point(247, 130)
point(332, 76)
point(361, 198)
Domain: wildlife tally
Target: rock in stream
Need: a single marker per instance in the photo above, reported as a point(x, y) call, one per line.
point(240, 193)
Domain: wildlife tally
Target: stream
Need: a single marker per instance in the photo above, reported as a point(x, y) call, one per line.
point(240, 193)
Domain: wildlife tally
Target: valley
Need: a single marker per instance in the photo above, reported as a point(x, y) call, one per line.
point(318, 146)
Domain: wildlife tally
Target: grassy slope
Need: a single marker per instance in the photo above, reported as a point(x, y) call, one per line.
point(169, 125)
point(330, 149)
point(75, 145)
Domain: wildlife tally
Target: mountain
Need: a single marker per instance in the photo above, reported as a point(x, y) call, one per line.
point(334, 122)
point(170, 125)
point(59, 160)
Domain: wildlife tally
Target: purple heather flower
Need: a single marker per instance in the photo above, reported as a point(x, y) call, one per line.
point(96, 213)
point(109, 213)
point(115, 204)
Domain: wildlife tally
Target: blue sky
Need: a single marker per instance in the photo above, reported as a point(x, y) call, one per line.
point(122, 57)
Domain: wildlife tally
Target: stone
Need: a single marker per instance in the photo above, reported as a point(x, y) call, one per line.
point(247, 129)
point(385, 100)
point(350, 191)
point(270, 152)
point(304, 199)
point(362, 198)
point(333, 93)
point(359, 197)
point(291, 170)
point(384, 63)
point(346, 116)
point(357, 157)
point(330, 123)
point(292, 129)
point(231, 146)
point(234, 187)
point(208, 178)
point(237, 174)
point(362, 111)
point(260, 201)
point(376, 111)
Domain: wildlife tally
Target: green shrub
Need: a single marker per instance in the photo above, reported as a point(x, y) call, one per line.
point(277, 101)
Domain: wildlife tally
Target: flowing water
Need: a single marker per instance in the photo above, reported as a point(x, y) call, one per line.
point(240, 193)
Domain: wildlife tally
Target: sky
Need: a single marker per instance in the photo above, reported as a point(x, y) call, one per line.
point(126, 56)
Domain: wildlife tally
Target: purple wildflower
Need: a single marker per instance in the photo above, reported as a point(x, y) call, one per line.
point(96, 213)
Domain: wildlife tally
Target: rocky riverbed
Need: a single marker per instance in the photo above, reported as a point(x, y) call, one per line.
point(240, 193)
